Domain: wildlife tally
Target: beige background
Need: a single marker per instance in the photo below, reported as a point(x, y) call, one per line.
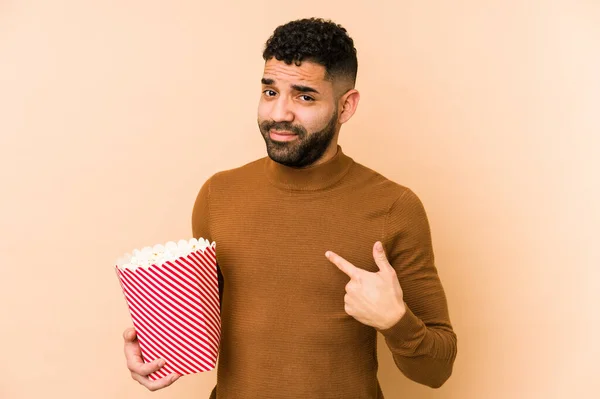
point(112, 115)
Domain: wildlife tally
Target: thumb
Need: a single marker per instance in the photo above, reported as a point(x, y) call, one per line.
point(380, 257)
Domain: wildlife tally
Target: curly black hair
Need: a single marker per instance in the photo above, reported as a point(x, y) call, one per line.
point(316, 40)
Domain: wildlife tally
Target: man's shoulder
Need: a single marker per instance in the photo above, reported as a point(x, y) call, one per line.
point(242, 174)
point(378, 182)
point(395, 197)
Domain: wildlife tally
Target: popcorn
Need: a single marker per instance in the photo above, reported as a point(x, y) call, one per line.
point(172, 293)
point(160, 254)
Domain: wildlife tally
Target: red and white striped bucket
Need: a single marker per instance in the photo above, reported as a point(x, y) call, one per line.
point(175, 311)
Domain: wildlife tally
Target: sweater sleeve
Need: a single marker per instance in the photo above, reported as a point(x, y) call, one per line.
point(423, 342)
point(201, 224)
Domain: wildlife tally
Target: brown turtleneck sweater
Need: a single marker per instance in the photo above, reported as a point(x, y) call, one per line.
point(285, 333)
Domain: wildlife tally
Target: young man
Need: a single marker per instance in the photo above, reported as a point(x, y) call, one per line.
point(317, 253)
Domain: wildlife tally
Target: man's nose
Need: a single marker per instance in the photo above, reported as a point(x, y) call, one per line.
point(281, 111)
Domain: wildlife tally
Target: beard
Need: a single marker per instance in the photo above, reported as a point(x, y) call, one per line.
point(305, 149)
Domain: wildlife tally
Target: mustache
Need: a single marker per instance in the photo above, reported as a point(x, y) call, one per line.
point(287, 126)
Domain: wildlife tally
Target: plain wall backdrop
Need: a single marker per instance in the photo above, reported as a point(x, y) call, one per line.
point(113, 114)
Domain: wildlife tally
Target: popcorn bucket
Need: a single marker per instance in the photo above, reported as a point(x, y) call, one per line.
point(172, 293)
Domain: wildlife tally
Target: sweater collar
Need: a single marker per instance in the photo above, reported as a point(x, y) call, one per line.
point(311, 178)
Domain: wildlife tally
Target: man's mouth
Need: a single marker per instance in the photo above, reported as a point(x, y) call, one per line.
point(282, 135)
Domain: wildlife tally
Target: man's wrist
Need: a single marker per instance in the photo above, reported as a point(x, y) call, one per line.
point(395, 316)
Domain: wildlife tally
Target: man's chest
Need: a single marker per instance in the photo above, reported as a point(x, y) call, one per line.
point(285, 240)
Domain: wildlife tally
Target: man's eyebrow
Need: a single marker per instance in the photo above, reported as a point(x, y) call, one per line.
point(305, 89)
point(300, 88)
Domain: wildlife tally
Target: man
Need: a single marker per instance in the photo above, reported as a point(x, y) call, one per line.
point(317, 253)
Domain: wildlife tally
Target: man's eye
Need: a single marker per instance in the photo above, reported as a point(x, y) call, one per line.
point(307, 98)
point(269, 93)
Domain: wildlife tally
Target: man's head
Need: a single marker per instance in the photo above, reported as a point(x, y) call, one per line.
point(307, 91)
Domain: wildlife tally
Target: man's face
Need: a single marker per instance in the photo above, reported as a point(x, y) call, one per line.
point(297, 112)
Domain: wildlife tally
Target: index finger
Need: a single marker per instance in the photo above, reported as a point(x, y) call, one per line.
point(156, 384)
point(133, 355)
point(135, 362)
point(348, 268)
point(143, 369)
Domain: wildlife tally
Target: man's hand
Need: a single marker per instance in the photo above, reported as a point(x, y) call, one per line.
point(374, 299)
point(139, 369)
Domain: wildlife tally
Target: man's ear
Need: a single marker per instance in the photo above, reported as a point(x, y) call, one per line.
point(348, 104)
